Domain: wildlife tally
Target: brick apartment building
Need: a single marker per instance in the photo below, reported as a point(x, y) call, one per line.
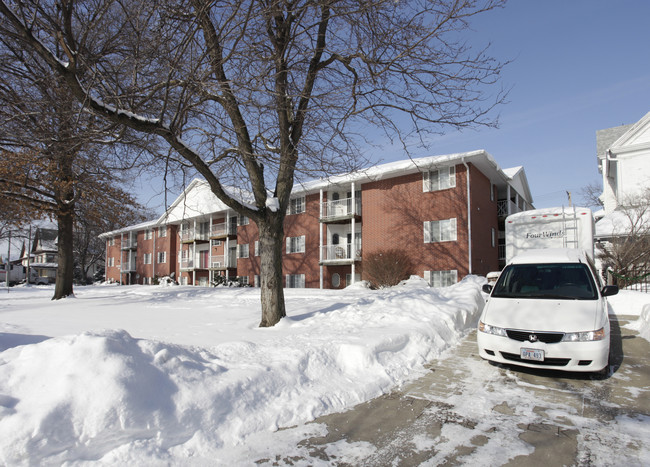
point(445, 212)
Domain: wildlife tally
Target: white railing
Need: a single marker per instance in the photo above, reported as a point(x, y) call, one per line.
point(340, 208)
point(192, 235)
point(129, 242)
point(344, 251)
point(503, 205)
point(223, 229)
point(187, 263)
point(217, 261)
point(129, 266)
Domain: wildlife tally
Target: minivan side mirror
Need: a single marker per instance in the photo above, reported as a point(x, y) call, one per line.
point(487, 288)
point(609, 290)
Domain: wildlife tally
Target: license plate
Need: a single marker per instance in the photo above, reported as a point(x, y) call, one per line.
point(532, 354)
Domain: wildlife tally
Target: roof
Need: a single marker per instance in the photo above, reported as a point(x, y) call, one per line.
point(619, 223)
point(45, 240)
point(130, 228)
point(550, 255)
point(479, 158)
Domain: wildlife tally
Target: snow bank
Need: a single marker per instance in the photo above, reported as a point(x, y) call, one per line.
point(111, 397)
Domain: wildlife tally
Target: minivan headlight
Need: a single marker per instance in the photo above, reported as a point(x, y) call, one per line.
point(587, 336)
point(486, 328)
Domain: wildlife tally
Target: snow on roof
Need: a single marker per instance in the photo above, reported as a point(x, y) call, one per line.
point(481, 158)
point(619, 223)
point(130, 228)
point(198, 200)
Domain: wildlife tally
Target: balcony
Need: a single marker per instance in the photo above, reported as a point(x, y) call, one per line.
point(130, 243)
point(340, 209)
point(192, 235)
point(128, 266)
point(341, 254)
point(187, 264)
point(503, 205)
point(223, 230)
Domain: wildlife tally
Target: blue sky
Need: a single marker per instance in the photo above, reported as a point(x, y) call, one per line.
point(579, 66)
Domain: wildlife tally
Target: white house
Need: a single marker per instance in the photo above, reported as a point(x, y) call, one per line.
point(624, 162)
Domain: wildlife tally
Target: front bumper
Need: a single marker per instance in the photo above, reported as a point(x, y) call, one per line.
point(565, 356)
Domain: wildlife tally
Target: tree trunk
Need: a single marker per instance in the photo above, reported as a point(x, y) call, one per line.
point(271, 231)
point(65, 269)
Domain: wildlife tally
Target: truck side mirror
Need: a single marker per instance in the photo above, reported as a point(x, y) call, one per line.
point(609, 290)
point(487, 288)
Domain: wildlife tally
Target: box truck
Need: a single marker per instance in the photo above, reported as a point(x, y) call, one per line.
point(563, 227)
point(548, 307)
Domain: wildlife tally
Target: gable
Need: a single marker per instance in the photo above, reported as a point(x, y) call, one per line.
point(637, 137)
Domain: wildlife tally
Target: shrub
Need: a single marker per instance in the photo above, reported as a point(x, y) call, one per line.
point(386, 268)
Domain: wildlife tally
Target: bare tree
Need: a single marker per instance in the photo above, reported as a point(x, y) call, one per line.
point(590, 195)
point(259, 93)
point(625, 252)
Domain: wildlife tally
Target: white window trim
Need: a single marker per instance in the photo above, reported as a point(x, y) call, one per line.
point(434, 231)
point(295, 244)
point(296, 205)
point(439, 179)
point(162, 232)
point(148, 257)
point(164, 257)
point(295, 281)
point(440, 279)
point(243, 250)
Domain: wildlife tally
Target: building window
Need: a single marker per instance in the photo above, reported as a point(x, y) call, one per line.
point(296, 244)
point(184, 280)
point(111, 262)
point(336, 279)
point(256, 280)
point(243, 280)
point(242, 251)
point(162, 232)
point(440, 231)
point(296, 205)
point(439, 179)
point(148, 234)
point(147, 258)
point(257, 248)
point(162, 257)
point(441, 278)
point(216, 243)
point(111, 241)
point(295, 281)
point(242, 220)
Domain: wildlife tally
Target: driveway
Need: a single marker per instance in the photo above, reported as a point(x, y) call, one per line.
point(466, 411)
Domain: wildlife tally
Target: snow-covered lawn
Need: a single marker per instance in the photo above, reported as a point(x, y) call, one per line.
point(152, 375)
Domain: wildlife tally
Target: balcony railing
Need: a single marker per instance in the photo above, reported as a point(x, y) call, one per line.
point(192, 235)
point(187, 263)
point(342, 252)
point(223, 230)
point(503, 205)
point(340, 208)
point(129, 266)
point(217, 262)
point(129, 243)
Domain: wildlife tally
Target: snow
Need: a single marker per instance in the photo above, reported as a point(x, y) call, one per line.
point(153, 375)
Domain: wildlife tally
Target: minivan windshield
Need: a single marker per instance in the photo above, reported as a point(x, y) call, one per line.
point(570, 281)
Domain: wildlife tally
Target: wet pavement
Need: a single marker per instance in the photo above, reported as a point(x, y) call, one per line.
point(466, 411)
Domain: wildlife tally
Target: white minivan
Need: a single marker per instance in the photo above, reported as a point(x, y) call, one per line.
point(547, 310)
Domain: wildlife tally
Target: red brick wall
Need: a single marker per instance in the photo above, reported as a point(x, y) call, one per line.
point(394, 211)
point(484, 219)
point(113, 272)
